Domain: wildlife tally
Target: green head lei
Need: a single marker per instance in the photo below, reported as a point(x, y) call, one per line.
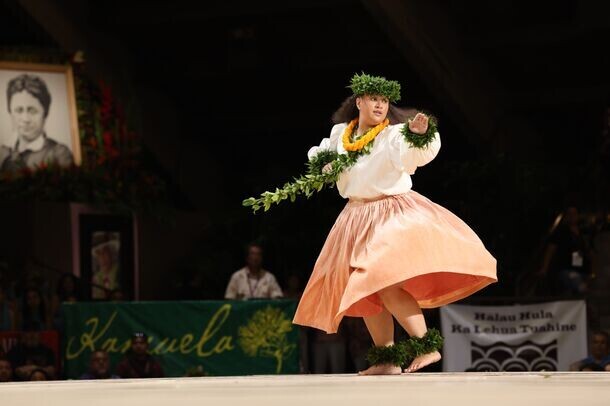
point(366, 84)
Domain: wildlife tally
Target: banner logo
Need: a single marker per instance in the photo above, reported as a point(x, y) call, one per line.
point(525, 356)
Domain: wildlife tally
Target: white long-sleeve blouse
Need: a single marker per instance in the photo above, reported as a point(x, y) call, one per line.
point(386, 170)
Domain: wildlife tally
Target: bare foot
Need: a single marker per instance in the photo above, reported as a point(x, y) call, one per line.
point(423, 360)
point(382, 369)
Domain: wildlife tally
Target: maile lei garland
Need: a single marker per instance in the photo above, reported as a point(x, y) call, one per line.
point(314, 180)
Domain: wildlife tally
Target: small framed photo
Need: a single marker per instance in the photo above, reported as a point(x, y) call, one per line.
point(38, 116)
point(108, 259)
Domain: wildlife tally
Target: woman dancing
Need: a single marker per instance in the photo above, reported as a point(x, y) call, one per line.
point(391, 250)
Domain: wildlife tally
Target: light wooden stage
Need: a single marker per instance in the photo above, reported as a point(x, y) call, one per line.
point(490, 389)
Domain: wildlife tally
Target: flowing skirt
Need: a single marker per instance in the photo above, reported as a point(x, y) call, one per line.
point(403, 239)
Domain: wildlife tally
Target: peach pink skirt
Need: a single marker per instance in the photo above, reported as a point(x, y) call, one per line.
point(404, 239)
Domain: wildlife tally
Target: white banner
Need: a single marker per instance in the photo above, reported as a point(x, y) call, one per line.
point(544, 336)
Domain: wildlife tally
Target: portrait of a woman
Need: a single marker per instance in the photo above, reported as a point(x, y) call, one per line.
point(29, 102)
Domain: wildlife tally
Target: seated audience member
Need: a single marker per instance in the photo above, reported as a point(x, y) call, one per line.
point(568, 256)
point(68, 291)
point(598, 349)
point(29, 355)
point(138, 363)
point(591, 368)
point(6, 370)
point(99, 366)
point(34, 312)
point(116, 295)
point(358, 342)
point(7, 315)
point(252, 281)
point(329, 352)
point(38, 375)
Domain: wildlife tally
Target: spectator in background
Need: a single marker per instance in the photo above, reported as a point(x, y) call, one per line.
point(99, 366)
point(601, 252)
point(7, 313)
point(252, 281)
point(68, 291)
point(294, 289)
point(599, 349)
point(6, 370)
point(30, 354)
point(116, 295)
point(568, 255)
point(34, 315)
point(329, 352)
point(591, 368)
point(138, 363)
point(358, 341)
point(39, 375)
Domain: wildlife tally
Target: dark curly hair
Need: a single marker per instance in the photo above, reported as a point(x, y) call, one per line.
point(348, 111)
point(34, 86)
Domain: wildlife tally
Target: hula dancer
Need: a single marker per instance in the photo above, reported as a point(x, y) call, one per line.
point(391, 251)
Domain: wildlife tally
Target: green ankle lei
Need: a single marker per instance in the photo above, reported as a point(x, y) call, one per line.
point(403, 351)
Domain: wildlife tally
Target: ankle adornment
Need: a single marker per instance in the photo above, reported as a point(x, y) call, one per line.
point(403, 351)
point(394, 354)
point(430, 342)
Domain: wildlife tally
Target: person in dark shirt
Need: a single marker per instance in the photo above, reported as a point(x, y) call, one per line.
point(6, 370)
point(99, 366)
point(600, 353)
point(30, 355)
point(138, 363)
point(568, 255)
point(39, 375)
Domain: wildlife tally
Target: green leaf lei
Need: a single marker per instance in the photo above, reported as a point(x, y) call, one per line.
point(367, 84)
point(404, 351)
point(420, 140)
point(314, 180)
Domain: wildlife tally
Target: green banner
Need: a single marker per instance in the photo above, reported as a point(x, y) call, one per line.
point(221, 337)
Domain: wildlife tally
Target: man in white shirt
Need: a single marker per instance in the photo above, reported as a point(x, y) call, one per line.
point(252, 281)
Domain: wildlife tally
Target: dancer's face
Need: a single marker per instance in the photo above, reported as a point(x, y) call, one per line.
point(373, 109)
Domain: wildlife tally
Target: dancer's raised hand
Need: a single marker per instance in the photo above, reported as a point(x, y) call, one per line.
point(419, 124)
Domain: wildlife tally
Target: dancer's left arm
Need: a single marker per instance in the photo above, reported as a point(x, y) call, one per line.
point(415, 143)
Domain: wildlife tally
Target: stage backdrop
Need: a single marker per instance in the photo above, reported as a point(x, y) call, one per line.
point(544, 336)
point(222, 337)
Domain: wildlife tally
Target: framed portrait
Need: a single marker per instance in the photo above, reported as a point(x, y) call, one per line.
point(38, 116)
point(107, 255)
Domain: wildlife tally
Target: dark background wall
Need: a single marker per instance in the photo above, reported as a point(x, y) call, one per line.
point(229, 97)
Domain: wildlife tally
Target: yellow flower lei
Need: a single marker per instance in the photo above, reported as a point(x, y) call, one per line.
point(364, 140)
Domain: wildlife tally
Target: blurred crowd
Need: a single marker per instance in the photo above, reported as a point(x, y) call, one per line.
point(575, 262)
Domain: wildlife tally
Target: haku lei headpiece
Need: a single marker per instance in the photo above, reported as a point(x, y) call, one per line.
point(366, 84)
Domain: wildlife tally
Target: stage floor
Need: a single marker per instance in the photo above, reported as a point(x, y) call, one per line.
point(489, 389)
